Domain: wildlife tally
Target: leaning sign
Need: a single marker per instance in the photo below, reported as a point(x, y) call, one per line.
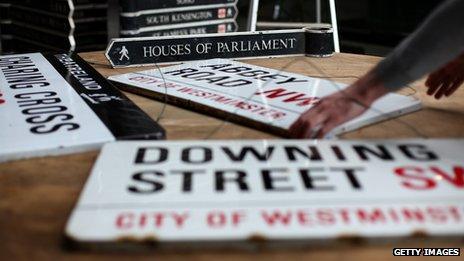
point(142, 51)
point(57, 103)
point(255, 96)
point(241, 193)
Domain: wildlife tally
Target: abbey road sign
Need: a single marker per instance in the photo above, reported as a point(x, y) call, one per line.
point(56, 104)
point(255, 96)
point(124, 52)
point(190, 194)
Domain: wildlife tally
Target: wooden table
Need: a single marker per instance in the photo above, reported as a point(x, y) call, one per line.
point(37, 195)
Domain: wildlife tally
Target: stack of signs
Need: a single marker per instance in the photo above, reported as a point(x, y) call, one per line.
point(263, 98)
point(5, 26)
point(56, 104)
point(241, 193)
point(78, 25)
point(177, 17)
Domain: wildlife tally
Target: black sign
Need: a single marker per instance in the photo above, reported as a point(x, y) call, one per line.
point(138, 5)
point(4, 11)
point(177, 17)
point(223, 27)
point(152, 50)
point(51, 21)
point(76, 9)
point(121, 116)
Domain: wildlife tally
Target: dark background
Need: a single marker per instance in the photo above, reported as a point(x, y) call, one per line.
point(365, 26)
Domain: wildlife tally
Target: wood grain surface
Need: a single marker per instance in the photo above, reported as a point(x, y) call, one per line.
point(37, 195)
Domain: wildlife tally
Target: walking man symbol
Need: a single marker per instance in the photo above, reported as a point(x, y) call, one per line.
point(124, 53)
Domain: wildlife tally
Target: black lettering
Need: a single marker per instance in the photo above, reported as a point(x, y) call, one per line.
point(145, 155)
point(269, 180)
point(239, 179)
point(147, 178)
point(182, 71)
point(29, 85)
point(38, 119)
point(381, 153)
point(247, 150)
point(418, 152)
point(235, 83)
point(44, 110)
point(292, 150)
point(309, 180)
point(207, 155)
point(40, 129)
point(34, 102)
point(216, 66)
point(29, 95)
point(236, 69)
point(187, 178)
point(338, 153)
point(197, 75)
point(351, 175)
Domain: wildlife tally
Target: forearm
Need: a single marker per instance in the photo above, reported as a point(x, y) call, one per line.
point(437, 41)
point(367, 89)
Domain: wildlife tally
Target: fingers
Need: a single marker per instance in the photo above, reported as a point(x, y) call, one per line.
point(432, 83)
point(446, 86)
point(312, 124)
point(441, 91)
point(436, 82)
point(312, 132)
point(305, 126)
point(329, 125)
point(454, 86)
point(446, 80)
point(441, 85)
point(296, 128)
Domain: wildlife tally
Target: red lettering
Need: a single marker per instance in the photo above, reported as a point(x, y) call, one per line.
point(414, 178)
point(276, 93)
point(276, 217)
point(455, 213)
point(125, 221)
point(303, 218)
point(143, 220)
point(179, 219)
point(413, 215)
point(305, 101)
point(222, 99)
point(326, 217)
point(301, 98)
point(185, 89)
point(345, 215)
point(437, 214)
point(237, 218)
point(216, 219)
point(458, 178)
point(143, 79)
point(158, 218)
point(373, 217)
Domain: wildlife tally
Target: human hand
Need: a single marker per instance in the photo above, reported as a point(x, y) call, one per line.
point(446, 80)
point(337, 108)
point(330, 112)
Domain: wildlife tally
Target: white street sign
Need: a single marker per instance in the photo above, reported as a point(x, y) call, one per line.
point(271, 190)
point(255, 95)
point(55, 104)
